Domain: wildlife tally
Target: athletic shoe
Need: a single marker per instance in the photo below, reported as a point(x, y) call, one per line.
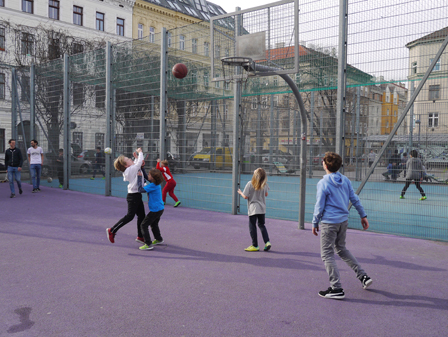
point(34, 190)
point(423, 198)
point(12, 195)
point(366, 281)
point(103, 178)
point(177, 204)
point(20, 191)
point(146, 247)
point(336, 294)
point(38, 189)
point(157, 242)
point(92, 178)
point(401, 196)
point(267, 246)
point(61, 186)
point(252, 249)
point(110, 236)
point(139, 239)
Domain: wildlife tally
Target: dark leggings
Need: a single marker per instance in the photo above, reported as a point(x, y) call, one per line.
point(417, 184)
point(151, 220)
point(135, 207)
point(253, 228)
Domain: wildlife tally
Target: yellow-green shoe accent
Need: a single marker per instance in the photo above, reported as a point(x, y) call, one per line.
point(146, 247)
point(401, 197)
point(252, 249)
point(177, 204)
point(423, 198)
point(267, 246)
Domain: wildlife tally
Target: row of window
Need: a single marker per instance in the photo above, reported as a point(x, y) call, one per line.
point(436, 67)
point(78, 14)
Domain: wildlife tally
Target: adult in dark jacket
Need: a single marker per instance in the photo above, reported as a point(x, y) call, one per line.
point(99, 163)
point(395, 160)
point(13, 163)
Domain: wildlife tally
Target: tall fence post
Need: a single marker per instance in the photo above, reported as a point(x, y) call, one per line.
point(411, 120)
point(109, 120)
point(163, 93)
point(32, 100)
point(310, 175)
point(66, 124)
point(14, 133)
point(358, 148)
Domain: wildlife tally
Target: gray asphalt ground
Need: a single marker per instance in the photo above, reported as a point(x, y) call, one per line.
point(59, 276)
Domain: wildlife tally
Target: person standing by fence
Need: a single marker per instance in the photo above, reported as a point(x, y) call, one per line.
point(13, 163)
point(35, 160)
point(372, 157)
point(415, 171)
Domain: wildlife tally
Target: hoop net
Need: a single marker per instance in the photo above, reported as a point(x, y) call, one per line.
point(230, 63)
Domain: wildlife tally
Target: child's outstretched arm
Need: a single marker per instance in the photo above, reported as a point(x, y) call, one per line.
point(241, 193)
point(141, 189)
point(145, 175)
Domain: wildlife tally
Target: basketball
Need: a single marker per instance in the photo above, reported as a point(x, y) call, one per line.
point(180, 70)
point(49, 179)
point(108, 150)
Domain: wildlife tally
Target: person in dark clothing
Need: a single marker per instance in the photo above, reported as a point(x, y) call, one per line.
point(395, 160)
point(99, 163)
point(13, 163)
point(60, 167)
point(414, 173)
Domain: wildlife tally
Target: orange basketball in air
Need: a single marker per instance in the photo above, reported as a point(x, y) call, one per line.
point(180, 70)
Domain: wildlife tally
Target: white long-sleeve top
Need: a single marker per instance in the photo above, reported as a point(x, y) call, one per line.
point(131, 174)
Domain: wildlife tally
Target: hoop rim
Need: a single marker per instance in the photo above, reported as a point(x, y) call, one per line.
point(237, 61)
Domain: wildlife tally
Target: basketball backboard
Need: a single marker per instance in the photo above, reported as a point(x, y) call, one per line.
point(267, 34)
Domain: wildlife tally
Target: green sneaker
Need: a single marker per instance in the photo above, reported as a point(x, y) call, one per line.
point(60, 186)
point(146, 247)
point(157, 242)
point(267, 246)
point(401, 197)
point(92, 178)
point(104, 178)
point(423, 198)
point(252, 249)
point(177, 204)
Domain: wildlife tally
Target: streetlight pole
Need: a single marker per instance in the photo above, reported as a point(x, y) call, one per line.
point(419, 124)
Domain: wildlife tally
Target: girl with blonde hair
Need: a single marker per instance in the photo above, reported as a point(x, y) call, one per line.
point(255, 193)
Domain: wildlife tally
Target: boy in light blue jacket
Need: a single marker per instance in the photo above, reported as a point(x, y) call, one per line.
point(334, 191)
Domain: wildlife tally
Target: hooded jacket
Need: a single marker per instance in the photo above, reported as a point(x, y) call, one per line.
point(334, 191)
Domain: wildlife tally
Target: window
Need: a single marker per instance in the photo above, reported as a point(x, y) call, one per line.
point(181, 42)
point(28, 6)
point(206, 79)
point(77, 15)
point(437, 66)
point(99, 139)
point(78, 94)
point(100, 97)
point(194, 77)
point(27, 44)
point(152, 34)
point(77, 139)
point(2, 86)
point(227, 85)
point(254, 103)
point(387, 97)
point(100, 21)
point(434, 92)
point(2, 38)
point(170, 37)
point(388, 112)
point(217, 82)
point(194, 46)
point(275, 81)
point(2, 3)
point(77, 48)
point(2, 136)
point(140, 31)
point(433, 120)
point(54, 51)
point(53, 9)
point(25, 88)
point(206, 48)
point(120, 27)
point(414, 68)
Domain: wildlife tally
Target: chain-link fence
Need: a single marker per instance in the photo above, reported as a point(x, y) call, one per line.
point(390, 47)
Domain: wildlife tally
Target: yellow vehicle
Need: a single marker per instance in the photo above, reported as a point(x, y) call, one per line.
point(222, 158)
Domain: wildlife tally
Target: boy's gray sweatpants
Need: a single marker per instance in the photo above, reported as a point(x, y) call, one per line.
point(332, 238)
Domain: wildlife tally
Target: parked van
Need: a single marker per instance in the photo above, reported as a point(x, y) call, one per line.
point(222, 158)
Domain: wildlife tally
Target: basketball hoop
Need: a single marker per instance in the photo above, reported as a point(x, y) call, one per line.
point(228, 68)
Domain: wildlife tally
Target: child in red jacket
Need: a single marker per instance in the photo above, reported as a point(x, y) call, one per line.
point(162, 166)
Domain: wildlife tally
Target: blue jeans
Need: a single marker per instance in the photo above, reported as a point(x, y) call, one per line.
point(14, 172)
point(35, 170)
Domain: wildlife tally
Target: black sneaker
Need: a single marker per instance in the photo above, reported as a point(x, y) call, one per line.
point(12, 195)
point(366, 281)
point(336, 294)
point(34, 191)
point(20, 191)
point(38, 189)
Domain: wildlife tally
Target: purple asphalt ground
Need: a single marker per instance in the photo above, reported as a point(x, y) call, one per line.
point(59, 276)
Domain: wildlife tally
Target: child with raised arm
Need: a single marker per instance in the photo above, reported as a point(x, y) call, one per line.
point(156, 209)
point(334, 191)
point(130, 171)
point(162, 166)
point(256, 192)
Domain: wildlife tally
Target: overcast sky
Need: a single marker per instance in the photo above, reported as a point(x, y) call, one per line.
point(378, 30)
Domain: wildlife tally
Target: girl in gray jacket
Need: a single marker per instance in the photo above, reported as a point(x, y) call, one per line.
point(414, 168)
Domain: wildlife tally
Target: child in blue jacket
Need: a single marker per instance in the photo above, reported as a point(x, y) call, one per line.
point(156, 209)
point(334, 191)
